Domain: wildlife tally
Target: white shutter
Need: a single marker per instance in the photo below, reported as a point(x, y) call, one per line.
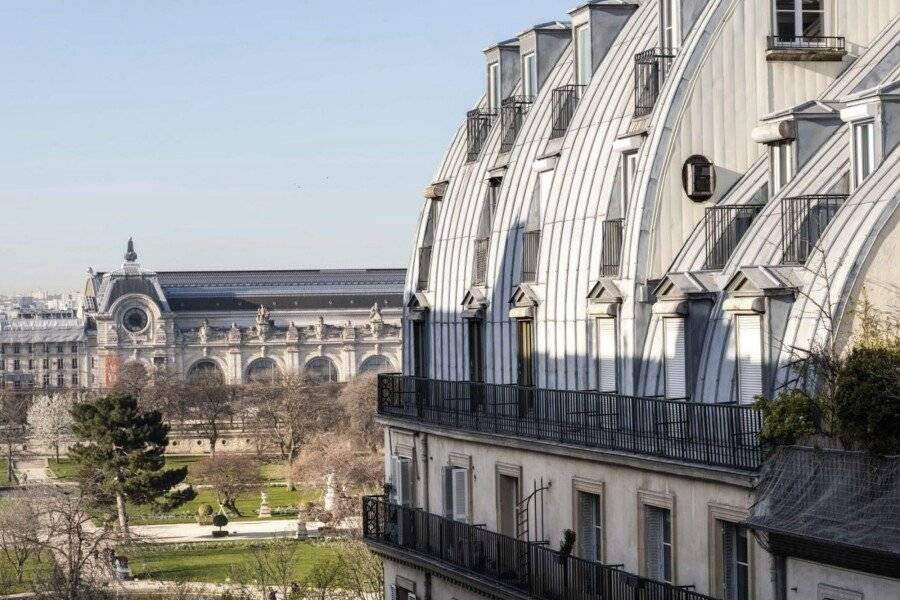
point(587, 526)
point(673, 342)
point(653, 542)
point(393, 592)
point(460, 494)
point(749, 357)
point(606, 355)
point(407, 490)
point(395, 479)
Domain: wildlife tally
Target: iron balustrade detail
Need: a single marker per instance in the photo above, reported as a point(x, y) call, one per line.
point(478, 126)
point(531, 242)
point(526, 567)
point(721, 435)
point(650, 70)
point(803, 220)
point(611, 248)
point(512, 114)
point(564, 100)
point(806, 42)
point(724, 227)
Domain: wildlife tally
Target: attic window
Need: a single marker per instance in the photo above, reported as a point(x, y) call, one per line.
point(698, 176)
point(529, 75)
point(863, 151)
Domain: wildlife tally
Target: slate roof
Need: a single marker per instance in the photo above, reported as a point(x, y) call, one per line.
point(26, 331)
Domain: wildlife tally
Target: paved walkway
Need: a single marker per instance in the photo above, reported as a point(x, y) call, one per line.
point(238, 530)
point(33, 470)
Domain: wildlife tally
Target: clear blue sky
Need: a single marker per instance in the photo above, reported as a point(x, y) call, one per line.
point(255, 134)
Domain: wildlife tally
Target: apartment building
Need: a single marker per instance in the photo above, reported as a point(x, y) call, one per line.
point(651, 209)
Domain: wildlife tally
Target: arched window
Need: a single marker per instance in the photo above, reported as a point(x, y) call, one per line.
point(263, 370)
point(425, 248)
point(322, 368)
point(375, 364)
point(205, 369)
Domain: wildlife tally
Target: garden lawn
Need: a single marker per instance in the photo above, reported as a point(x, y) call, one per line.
point(211, 562)
point(34, 568)
point(66, 468)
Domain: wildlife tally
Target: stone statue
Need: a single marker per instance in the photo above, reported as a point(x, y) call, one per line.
point(330, 492)
point(375, 313)
point(203, 331)
point(376, 322)
point(265, 511)
point(320, 328)
point(349, 333)
point(262, 316)
point(293, 334)
point(234, 334)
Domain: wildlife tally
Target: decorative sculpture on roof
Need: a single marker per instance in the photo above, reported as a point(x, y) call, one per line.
point(376, 322)
point(203, 331)
point(348, 333)
point(319, 328)
point(262, 322)
point(234, 334)
point(293, 334)
point(130, 254)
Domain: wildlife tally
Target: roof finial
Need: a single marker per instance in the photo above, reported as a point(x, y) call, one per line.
point(130, 254)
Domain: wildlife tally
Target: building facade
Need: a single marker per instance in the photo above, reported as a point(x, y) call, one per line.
point(245, 325)
point(650, 212)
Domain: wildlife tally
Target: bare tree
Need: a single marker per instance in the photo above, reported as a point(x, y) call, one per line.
point(230, 475)
point(50, 419)
point(359, 398)
point(13, 433)
point(19, 539)
point(133, 379)
point(209, 406)
point(364, 572)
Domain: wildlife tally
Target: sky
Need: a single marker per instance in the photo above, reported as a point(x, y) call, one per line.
point(225, 135)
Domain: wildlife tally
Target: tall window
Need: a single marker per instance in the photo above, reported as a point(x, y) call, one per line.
point(476, 350)
point(529, 75)
point(629, 167)
point(583, 67)
point(322, 368)
point(863, 151)
point(525, 352)
point(456, 493)
point(494, 86)
point(674, 365)
point(735, 561)
point(424, 269)
point(799, 18)
point(748, 342)
point(658, 543)
point(668, 24)
point(590, 526)
point(483, 237)
point(420, 348)
point(781, 165)
point(606, 355)
point(507, 504)
point(402, 481)
point(531, 238)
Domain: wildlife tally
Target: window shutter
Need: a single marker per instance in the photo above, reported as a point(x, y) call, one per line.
point(587, 526)
point(749, 357)
point(653, 528)
point(606, 354)
point(728, 563)
point(673, 340)
point(460, 494)
point(395, 479)
point(448, 491)
point(393, 592)
point(410, 596)
point(406, 482)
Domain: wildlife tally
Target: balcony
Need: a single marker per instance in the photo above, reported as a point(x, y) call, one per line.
point(803, 219)
point(650, 70)
point(533, 570)
point(724, 227)
point(478, 126)
point(811, 48)
point(720, 435)
point(512, 114)
point(563, 103)
point(611, 250)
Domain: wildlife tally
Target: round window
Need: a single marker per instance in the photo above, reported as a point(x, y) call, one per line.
point(135, 320)
point(698, 176)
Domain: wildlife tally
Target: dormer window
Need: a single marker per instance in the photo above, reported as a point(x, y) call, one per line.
point(668, 24)
point(698, 177)
point(424, 262)
point(529, 75)
point(494, 86)
point(531, 239)
point(863, 151)
point(798, 20)
point(629, 168)
point(782, 164)
point(583, 67)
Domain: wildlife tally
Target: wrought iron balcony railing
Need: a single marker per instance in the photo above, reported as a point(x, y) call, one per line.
point(478, 126)
point(564, 100)
point(724, 227)
point(512, 114)
point(526, 567)
point(650, 70)
point(805, 42)
point(531, 243)
point(611, 249)
point(803, 219)
point(722, 435)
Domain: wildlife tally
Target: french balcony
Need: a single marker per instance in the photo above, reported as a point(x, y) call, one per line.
point(650, 70)
point(611, 248)
point(805, 47)
point(718, 435)
point(478, 126)
point(724, 227)
point(527, 569)
point(512, 115)
point(564, 101)
point(803, 220)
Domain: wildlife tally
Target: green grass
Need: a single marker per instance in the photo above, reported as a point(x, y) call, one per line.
point(34, 569)
point(211, 562)
point(66, 469)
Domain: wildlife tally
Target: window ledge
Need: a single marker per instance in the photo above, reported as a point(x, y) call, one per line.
point(791, 54)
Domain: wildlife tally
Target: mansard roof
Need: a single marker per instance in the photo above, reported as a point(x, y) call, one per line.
point(42, 330)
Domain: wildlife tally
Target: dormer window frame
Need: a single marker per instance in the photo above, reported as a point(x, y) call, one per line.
point(782, 165)
point(583, 61)
point(493, 86)
point(529, 75)
point(798, 12)
point(628, 176)
point(863, 159)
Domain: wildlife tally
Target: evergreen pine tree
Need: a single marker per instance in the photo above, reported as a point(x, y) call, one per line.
point(120, 452)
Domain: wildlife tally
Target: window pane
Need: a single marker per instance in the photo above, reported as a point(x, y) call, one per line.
point(785, 25)
point(812, 24)
point(583, 48)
